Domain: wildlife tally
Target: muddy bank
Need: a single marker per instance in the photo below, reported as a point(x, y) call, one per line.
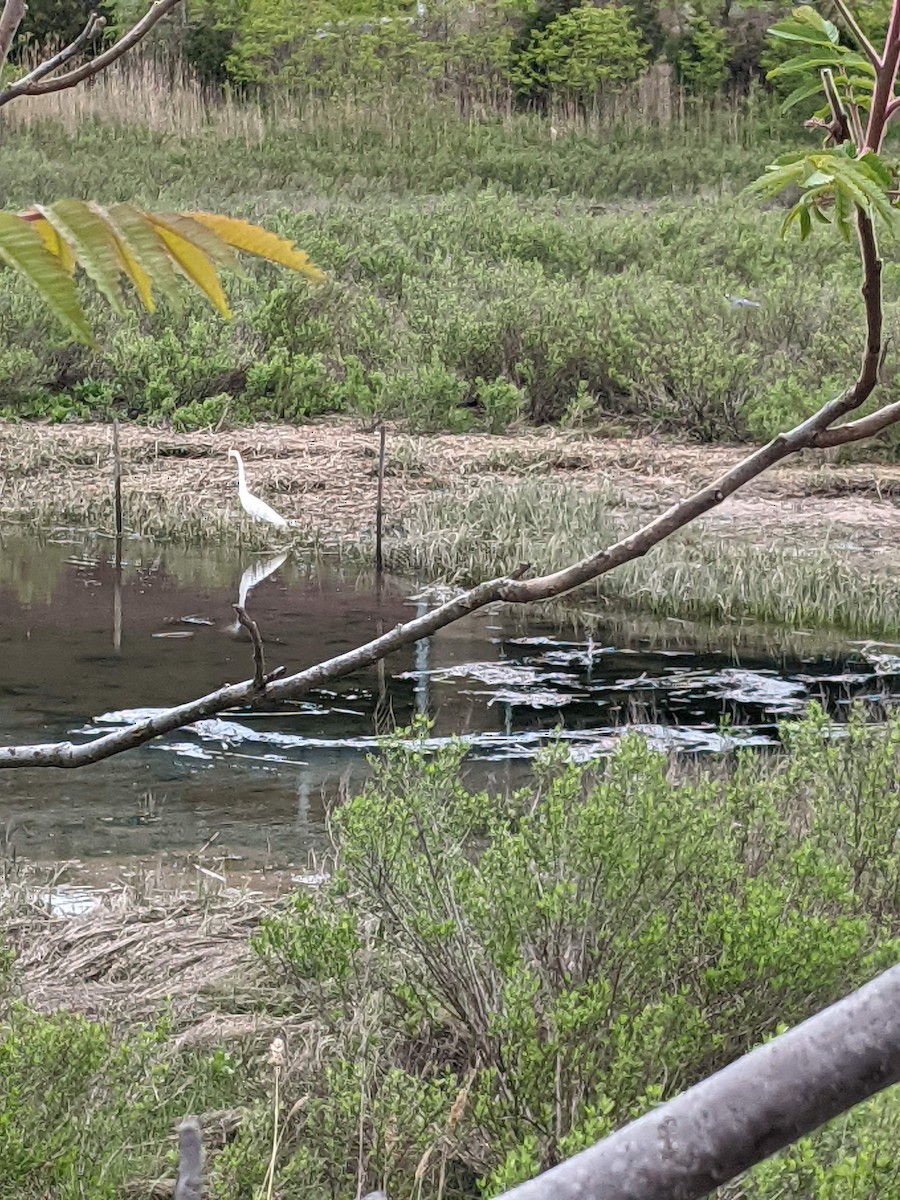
point(323, 477)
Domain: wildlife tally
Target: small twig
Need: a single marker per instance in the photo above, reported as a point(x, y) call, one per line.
point(95, 24)
point(190, 1160)
point(259, 654)
point(125, 43)
point(853, 26)
point(260, 679)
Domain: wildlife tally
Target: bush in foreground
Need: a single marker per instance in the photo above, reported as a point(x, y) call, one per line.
point(486, 985)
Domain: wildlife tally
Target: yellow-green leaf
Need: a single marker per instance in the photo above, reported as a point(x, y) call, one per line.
point(24, 249)
point(198, 235)
point(93, 242)
point(194, 264)
point(254, 240)
point(55, 244)
point(147, 248)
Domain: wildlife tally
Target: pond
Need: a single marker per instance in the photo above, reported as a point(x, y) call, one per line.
point(83, 650)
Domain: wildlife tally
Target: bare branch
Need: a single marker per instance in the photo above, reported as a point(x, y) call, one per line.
point(95, 24)
point(858, 431)
point(892, 109)
point(125, 43)
point(260, 678)
point(11, 17)
point(861, 40)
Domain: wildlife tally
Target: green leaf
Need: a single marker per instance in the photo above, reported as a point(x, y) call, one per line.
point(870, 164)
point(807, 15)
point(816, 179)
point(23, 249)
point(815, 60)
point(803, 92)
point(93, 244)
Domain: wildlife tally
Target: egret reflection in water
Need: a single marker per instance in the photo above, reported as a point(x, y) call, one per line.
point(251, 578)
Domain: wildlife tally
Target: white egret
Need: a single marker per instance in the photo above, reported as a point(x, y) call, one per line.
point(258, 509)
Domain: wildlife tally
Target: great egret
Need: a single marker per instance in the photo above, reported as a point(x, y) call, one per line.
point(258, 509)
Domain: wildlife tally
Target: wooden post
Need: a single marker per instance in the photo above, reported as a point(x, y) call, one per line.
point(190, 1160)
point(379, 506)
point(117, 481)
point(117, 510)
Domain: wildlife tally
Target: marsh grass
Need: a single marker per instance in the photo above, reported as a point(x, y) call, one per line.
point(474, 534)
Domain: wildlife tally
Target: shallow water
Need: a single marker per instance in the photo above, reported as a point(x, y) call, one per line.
point(247, 793)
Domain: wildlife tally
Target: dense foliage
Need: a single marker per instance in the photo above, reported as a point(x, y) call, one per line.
point(499, 300)
point(486, 984)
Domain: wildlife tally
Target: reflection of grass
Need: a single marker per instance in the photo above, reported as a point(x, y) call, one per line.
point(465, 536)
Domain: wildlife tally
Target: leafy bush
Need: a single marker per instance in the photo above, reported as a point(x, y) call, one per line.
point(83, 1109)
point(581, 52)
point(495, 983)
point(701, 58)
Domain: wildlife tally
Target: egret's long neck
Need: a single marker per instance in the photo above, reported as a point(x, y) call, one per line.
point(242, 482)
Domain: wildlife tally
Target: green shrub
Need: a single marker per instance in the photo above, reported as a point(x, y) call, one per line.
point(701, 58)
point(518, 976)
point(581, 52)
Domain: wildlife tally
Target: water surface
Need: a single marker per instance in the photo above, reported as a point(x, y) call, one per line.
point(84, 649)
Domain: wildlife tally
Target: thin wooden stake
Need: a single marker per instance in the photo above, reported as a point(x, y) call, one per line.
point(117, 506)
point(379, 507)
point(117, 481)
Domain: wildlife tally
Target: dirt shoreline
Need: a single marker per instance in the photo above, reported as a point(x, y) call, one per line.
point(323, 477)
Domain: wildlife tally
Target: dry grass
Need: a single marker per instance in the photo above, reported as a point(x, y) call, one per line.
point(700, 573)
point(140, 949)
point(156, 91)
point(323, 476)
point(153, 92)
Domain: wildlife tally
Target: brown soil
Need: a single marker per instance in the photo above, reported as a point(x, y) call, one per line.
point(324, 477)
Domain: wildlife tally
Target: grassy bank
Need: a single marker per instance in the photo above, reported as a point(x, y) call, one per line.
point(699, 574)
point(587, 948)
point(481, 271)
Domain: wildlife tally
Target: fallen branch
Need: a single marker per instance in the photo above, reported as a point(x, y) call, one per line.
point(763, 1101)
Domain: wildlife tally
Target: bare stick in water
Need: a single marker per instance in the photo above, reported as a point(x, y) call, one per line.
point(260, 679)
point(117, 488)
point(379, 506)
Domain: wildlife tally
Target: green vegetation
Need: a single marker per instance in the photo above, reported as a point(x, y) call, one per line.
point(535, 285)
point(486, 984)
point(469, 535)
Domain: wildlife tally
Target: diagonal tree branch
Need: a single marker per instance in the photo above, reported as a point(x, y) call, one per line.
point(11, 17)
point(817, 431)
point(95, 25)
point(127, 42)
